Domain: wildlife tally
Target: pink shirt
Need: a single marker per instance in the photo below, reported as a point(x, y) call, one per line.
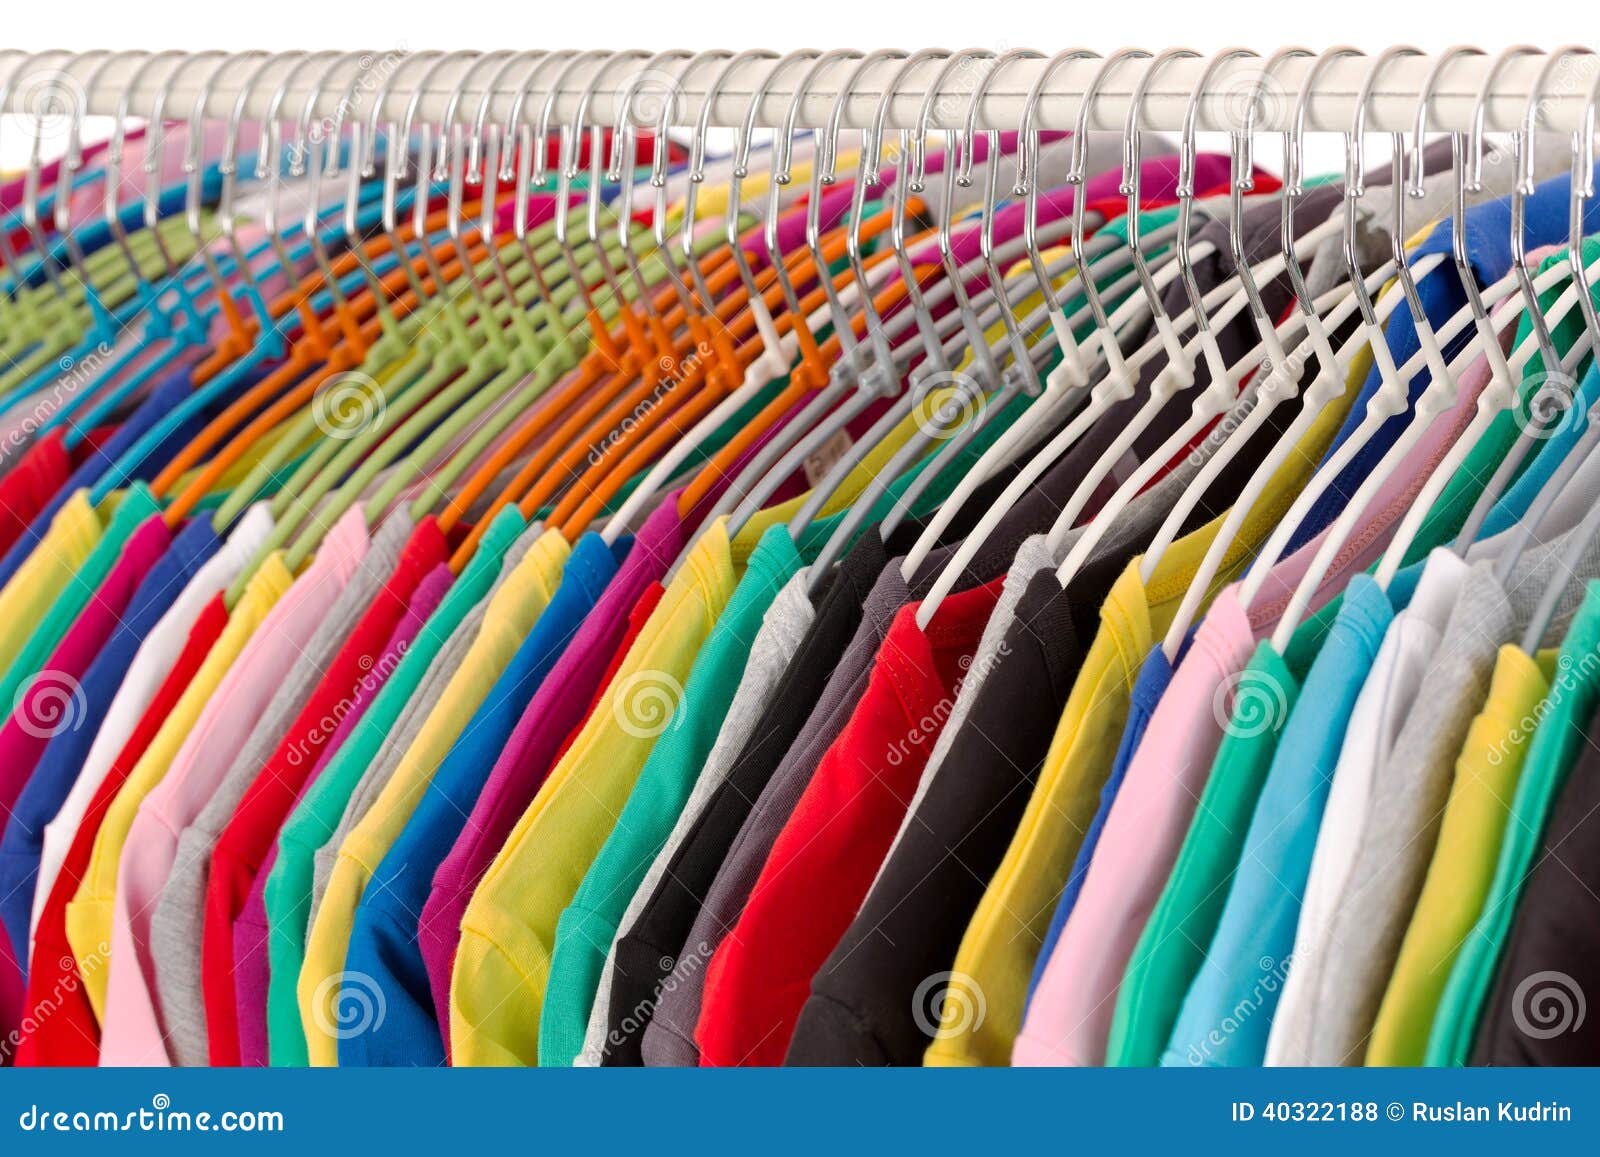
point(131, 1032)
point(1069, 1015)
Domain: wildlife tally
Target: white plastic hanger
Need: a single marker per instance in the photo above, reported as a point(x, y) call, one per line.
point(1553, 399)
point(1438, 397)
point(1221, 388)
point(1117, 386)
point(961, 411)
point(773, 361)
point(1502, 391)
point(987, 372)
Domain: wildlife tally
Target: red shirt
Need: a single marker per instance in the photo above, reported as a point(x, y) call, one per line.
point(248, 838)
point(826, 856)
point(70, 1033)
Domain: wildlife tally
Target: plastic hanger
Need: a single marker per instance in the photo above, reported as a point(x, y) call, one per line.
point(753, 487)
point(1222, 388)
point(316, 356)
point(984, 375)
point(1281, 382)
point(960, 411)
point(1070, 379)
point(868, 362)
point(1554, 396)
point(1022, 376)
point(261, 401)
point(1178, 375)
point(1583, 189)
point(698, 383)
point(328, 415)
point(1438, 397)
point(1117, 385)
point(348, 407)
point(38, 334)
point(883, 376)
point(530, 374)
point(773, 361)
point(478, 366)
point(602, 389)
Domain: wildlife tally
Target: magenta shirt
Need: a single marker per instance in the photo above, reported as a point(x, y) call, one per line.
point(556, 708)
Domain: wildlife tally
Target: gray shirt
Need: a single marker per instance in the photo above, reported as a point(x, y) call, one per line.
point(1410, 788)
point(176, 923)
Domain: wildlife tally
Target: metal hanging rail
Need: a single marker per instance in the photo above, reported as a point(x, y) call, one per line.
point(98, 84)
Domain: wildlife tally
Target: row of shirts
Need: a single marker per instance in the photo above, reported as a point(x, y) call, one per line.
point(577, 804)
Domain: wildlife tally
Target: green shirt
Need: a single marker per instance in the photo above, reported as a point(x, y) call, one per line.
point(1179, 931)
point(287, 892)
point(1573, 695)
point(589, 924)
point(136, 507)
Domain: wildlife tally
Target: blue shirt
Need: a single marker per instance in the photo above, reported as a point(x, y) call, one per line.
point(383, 938)
point(162, 400)
point(1228, 1011)
point(53, 776)
point(1489, 249)
point(1147, 691)
point(1547, 459)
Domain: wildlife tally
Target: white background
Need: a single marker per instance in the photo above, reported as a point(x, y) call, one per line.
point(783, 25)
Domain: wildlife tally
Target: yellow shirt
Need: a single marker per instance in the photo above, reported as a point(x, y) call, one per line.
point(88, 915)
point(1464, 859)
point(1008, 927)
point(508, 931)
point(73, 534)
point(509, 616)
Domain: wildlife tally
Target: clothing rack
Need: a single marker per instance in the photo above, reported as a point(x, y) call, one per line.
point(105, 84)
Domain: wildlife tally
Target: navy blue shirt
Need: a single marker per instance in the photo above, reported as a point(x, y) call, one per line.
point(1147, 691)
point(1442, 294)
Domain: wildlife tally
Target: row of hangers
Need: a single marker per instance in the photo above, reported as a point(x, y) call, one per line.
point(487, 326)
